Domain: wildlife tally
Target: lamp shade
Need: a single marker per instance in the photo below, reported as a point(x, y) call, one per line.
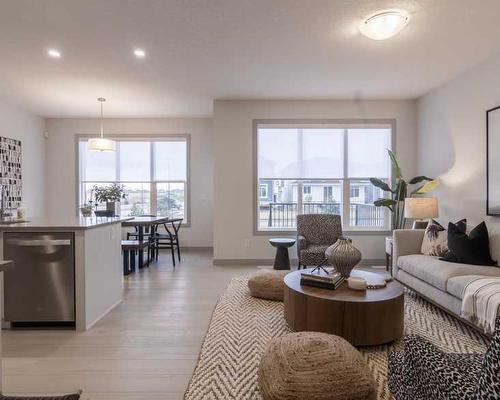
point(421, 207)
point(101, 144)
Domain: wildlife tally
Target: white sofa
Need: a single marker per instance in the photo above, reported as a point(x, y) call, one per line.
point(441, 282)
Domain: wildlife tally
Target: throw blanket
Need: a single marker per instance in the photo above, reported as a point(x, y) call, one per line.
point(481, 302)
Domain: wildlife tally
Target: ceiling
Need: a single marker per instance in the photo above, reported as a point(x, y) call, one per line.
point(200, 50)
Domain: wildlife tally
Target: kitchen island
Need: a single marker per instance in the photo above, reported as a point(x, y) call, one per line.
point(77, 263)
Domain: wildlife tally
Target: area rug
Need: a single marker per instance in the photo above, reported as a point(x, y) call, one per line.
point(242, 326)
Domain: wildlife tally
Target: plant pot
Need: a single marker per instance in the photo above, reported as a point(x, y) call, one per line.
point(343, 256)
point(112, 207)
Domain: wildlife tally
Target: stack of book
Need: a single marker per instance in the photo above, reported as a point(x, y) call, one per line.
point(331, 280)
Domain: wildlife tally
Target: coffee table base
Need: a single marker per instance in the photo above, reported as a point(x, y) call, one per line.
point(360, 323)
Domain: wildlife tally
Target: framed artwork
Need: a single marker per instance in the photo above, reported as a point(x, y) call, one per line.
point(10, 171)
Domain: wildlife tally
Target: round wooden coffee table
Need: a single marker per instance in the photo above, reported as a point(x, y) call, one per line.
point(371, 317)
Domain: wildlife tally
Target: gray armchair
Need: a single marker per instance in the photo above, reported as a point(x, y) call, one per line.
point(315, 232)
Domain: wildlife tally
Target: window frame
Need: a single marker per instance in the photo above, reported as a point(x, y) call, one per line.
point(186, 137)
point(346, 181)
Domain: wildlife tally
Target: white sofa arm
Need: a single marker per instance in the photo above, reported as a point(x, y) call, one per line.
point(405, 242)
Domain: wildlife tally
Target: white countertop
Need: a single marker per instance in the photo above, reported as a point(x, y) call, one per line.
point(62, 223)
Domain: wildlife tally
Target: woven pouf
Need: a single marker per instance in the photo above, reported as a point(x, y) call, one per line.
point(267, 284)
point(313, 365)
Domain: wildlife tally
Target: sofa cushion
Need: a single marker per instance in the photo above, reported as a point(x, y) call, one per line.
point(436, 272)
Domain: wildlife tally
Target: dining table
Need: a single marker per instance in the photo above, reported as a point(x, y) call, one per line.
point(146, 221)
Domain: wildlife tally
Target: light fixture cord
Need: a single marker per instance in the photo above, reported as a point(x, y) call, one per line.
point(102, 122)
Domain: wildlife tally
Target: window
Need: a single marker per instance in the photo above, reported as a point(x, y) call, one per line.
point(263, 191)
point(322, 169)
point(153, 173)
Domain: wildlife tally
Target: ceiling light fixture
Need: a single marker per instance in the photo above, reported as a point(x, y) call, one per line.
point(54, 53)
point(139, 53)
point(100, 143)
point(384, 24)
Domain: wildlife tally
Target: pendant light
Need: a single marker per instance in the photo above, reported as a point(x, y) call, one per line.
point(100, 143)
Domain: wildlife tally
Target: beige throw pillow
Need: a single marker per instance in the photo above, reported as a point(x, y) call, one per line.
point(435, 241)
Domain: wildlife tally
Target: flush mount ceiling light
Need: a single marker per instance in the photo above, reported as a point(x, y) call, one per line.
point(54, 53)
point(384, 24)
point(139, 53)
point(100, 143)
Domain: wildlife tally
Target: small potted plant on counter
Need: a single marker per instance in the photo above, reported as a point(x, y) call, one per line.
point(111, 195)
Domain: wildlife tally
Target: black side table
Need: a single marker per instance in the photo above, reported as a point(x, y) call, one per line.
point(282, 261)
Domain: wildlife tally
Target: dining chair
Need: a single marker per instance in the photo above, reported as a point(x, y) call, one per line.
point(170, 239)
point(149, 234)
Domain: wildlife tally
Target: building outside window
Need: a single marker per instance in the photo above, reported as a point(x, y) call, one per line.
point(154, 173)
point(263, 191)
point(322, 168)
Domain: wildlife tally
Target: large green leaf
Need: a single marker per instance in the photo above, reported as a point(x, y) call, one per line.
point(419, 179)
point(380, 184)
point(385, 203)
point(396, 170)
point(428, 186)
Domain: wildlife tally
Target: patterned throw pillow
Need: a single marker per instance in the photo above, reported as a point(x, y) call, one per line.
point(435, 241)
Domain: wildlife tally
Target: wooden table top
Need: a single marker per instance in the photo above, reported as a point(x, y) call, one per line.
point(147, 221)
point(343, 293)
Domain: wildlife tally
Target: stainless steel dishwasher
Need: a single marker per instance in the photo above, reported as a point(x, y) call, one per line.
point(40, 290)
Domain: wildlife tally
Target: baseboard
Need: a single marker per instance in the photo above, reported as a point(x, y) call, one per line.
point(197, 248)
point(102, 315)
point(247, 261)
point(270, 261)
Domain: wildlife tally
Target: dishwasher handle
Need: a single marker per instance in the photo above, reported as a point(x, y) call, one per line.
point(39, 242)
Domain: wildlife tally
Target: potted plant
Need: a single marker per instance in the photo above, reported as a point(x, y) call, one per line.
point(86, 210)
point(399, 191)
point(109, 195)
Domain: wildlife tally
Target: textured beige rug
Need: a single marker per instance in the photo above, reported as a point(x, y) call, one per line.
point(242, 326)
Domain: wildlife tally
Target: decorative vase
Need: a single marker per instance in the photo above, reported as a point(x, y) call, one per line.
point(343, 256)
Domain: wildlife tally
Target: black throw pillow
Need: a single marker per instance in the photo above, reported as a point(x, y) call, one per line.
point(469, 249)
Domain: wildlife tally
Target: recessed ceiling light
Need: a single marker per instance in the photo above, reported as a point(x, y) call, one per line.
point(54, 53)
point(139, 53)
point(384, 24)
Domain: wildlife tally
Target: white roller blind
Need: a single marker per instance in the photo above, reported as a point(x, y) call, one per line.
point(97, 166)
point(170, 161)
point(293, 153)
point(367, 153)
point(135, 164)
point(323, 151)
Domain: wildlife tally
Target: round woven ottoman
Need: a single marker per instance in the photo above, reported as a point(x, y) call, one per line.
point(314, 366)
point(267, 284)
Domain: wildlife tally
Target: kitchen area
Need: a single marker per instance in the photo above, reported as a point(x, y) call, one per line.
point(66, 273)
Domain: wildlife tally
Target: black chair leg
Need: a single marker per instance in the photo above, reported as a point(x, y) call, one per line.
point(126, 259)
point(132, 260)
point(173, 254)
point(157, 249)
point(178, 249)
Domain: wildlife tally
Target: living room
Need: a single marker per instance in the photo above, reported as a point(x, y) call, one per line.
point(220, 125)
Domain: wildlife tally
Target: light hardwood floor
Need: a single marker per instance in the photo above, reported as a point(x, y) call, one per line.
point(146, 348)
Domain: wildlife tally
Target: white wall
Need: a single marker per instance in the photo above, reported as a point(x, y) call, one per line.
point(233, 164)
point(19, 124)
point(61, 172)
point(452, 142)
